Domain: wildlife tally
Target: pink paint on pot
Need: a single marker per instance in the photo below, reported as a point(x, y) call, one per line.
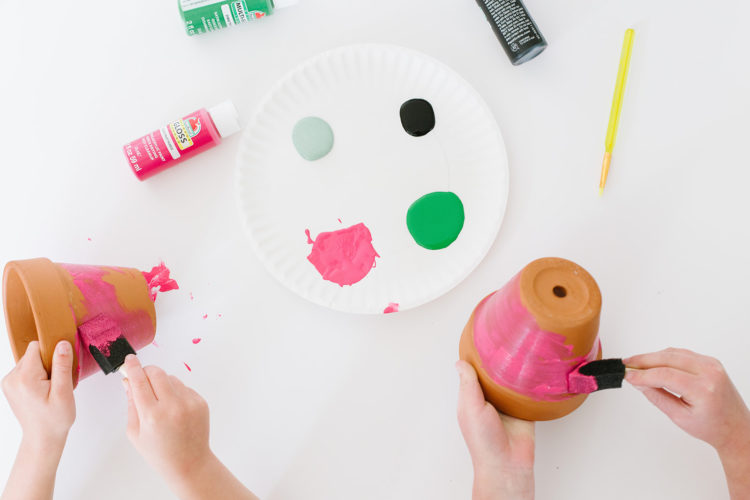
point(345, 256)
point(517, 353)
point(118, 298)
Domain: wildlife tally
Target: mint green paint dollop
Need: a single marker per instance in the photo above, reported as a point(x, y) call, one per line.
point(436, 219)
point(313, 138)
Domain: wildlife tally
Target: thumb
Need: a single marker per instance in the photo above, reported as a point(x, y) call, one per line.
point(470, 395)
point(61, 375)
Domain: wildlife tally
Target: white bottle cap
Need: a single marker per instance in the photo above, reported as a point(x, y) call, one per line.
point(226, 118)
point(281, 4)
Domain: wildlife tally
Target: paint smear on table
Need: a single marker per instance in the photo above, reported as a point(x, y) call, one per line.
point(205, 316)
point(187, 366)
point(159, 281)
point(392, 308)
point(197, 340)
point(345, 256)
point(155, 344)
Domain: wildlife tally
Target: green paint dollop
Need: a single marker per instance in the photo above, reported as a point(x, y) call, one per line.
point(313, 138)
point(436, 219)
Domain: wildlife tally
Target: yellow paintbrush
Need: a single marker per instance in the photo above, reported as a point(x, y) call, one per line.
point(614, 114)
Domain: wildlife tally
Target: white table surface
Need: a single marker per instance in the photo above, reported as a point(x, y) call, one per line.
point(311, 403)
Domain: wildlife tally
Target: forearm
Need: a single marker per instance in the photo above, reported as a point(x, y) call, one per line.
point(208, 481)
point(736, 463)
point(503, 485)
point(34, 471)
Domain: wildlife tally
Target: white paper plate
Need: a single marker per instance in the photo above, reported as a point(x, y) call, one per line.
point(373, 174)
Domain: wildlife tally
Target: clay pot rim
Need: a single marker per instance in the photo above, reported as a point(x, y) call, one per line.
point(64, 325)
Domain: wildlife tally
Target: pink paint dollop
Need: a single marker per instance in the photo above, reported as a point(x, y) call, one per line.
point(345, 256)
point(517, 354)
point(197, 340)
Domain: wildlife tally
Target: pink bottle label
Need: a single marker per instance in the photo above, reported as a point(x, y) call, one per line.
point(170, 144)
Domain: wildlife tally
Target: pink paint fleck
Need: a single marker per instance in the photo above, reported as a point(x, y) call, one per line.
point(517, 353)
point(187, 366)
point(340, 221)
point(392, 308)
point(159, 281)
point(197, 340)
point(191, 296)
point(219, 315)
point(88, 239)
point(205, 316)
point(344, 256)
point(155, 344)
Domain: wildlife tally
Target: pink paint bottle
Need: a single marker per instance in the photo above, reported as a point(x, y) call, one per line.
point(181, 139)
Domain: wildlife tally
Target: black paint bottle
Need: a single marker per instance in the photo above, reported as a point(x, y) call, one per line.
point(515, 29)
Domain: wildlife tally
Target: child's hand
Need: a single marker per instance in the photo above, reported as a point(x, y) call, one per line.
point(167, 421)
point(44, 406)
point(699, 397)
point(696, 394)
point(501, 447)
point(168, 425)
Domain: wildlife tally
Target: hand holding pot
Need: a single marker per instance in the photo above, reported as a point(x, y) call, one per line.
point(44, 405)
point(45, 408)
point(168, 423)
point(695, 392)
point(501, 447)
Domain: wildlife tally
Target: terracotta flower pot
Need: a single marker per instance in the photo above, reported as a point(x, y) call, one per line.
point(47, 301)
point(524, 339)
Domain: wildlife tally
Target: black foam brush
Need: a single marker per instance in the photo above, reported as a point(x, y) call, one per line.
point(105, 341)
point(596, 375)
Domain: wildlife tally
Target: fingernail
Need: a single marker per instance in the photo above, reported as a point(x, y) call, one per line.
point(63, 347)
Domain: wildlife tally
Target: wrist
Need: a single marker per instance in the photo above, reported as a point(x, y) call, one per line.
point(186, 474)
point(738, 446)
point(43, 445)
point(736, 451)
point(503, 483)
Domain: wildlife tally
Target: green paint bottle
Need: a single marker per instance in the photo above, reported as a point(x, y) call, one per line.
point(202, 16)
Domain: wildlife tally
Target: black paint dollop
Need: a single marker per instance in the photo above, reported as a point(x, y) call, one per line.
point(417, 117)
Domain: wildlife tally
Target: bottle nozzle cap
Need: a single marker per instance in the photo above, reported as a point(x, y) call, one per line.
point(281, 4)
point(226, 118)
